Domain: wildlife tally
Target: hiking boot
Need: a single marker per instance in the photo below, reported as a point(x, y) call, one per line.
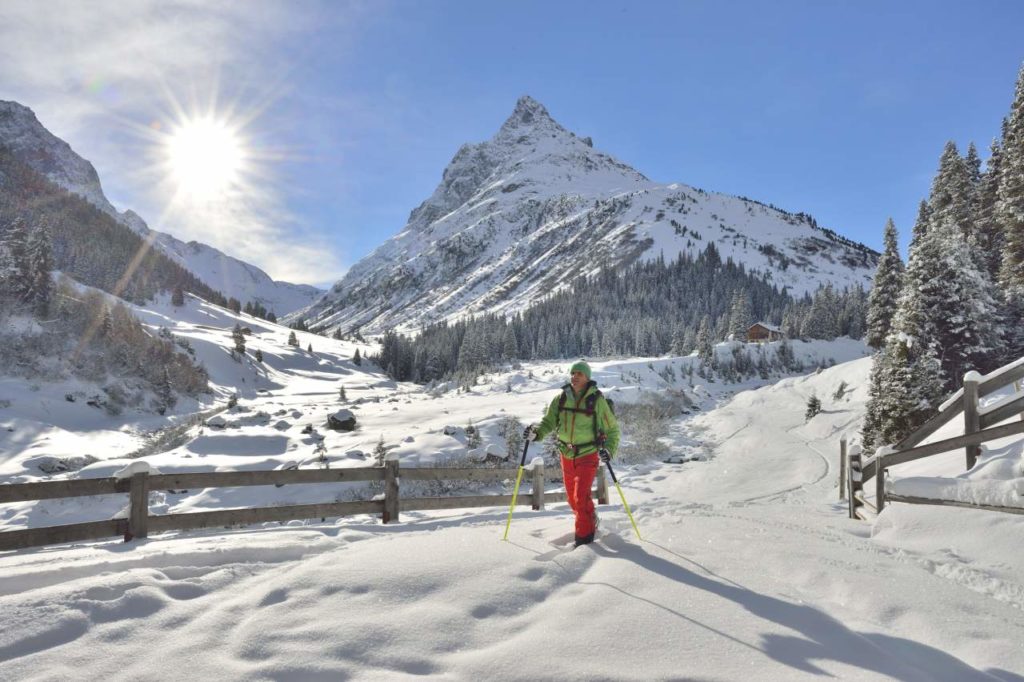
point(583, 540)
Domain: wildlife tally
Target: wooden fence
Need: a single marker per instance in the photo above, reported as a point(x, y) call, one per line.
point(140, 523)
point(979, 427)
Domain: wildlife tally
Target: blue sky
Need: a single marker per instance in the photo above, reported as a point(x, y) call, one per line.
point(351, 111)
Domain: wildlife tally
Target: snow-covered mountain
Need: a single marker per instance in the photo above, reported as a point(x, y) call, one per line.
point(537, 207)
point(47, 154)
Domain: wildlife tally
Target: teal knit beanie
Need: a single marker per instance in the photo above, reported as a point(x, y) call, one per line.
point(581, 366)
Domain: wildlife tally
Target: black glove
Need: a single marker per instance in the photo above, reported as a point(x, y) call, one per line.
point(530, 432)
point(604, 455)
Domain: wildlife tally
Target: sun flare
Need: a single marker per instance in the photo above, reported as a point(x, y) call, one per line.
point(205, 157)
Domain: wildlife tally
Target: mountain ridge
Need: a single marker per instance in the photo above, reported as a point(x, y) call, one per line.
point(30, 141)
point(510, 212)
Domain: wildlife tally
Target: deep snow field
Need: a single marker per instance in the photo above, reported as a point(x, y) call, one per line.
point(749, 567)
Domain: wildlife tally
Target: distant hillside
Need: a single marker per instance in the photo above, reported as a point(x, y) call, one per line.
point(88, 244)
point(28, 141)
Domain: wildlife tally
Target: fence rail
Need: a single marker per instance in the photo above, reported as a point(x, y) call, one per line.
point(979, 427)
point(139, 522)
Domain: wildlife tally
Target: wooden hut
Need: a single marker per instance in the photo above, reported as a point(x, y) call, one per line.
point(760, 331)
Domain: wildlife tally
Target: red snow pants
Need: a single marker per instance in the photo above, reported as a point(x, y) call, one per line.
point(578, 475)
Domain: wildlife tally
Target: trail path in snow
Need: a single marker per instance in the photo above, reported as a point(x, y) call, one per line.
point(749, 570)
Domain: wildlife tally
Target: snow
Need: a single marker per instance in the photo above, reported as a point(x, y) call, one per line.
point(749, 568)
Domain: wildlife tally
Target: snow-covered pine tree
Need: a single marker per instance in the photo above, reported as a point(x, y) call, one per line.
point(165, 391)
point(356, 358)
point(239, 339)
point(948, 303)
point(509, 346)
point(972, 164)
point(813, 407)
point(739, 315)
point(380, 452)
point(292, 339)
point(989, 238)
point(821, 322)
point(950, 199)
point(178, 297)
point(705, 347)
point(921, 223)
point(904, 391)
point(17, 272)
point(885, 291)
point(39, 267)
point(1010, 214)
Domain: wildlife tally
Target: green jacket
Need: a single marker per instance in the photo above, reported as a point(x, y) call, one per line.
point(577, 428)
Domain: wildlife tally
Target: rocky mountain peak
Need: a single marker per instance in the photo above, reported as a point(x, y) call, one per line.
point(528, 111)
point(47, 154)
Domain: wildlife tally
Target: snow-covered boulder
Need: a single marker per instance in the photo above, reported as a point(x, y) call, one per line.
point(56, 465)
point(342, 420)
point(217, 422)
point(495, 454)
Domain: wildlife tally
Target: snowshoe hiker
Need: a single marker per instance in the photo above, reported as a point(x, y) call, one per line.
point(588, 434)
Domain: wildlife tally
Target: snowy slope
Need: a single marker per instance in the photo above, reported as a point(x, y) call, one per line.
point(749, 568)
point(537, 207)
point(52, 157)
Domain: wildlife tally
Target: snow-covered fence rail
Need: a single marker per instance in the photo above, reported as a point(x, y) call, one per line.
point(979, 427)
point(140, 523)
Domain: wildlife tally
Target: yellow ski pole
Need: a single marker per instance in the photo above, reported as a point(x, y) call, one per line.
point(625, 504)
point(515, 491)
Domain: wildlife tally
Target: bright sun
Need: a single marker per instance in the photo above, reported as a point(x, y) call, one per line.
point(205, 157)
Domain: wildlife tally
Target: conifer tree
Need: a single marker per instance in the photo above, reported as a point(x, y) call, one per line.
point(950, 199)
point(38, 267)
point(178, 296)
point(705, 348)
point(356, 358)
point(904, 391)
point(821, 322)
point(921, 223)
point(239, 339)
point(1010, 214)
point(165, 391)
point(18, 273)
point(948, 303)
point(292, 339)
point(739, 315)
point(380, 452)
point(885, 292)
point(509, 346)
point(989, 238)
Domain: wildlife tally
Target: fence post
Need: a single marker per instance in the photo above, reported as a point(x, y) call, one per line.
point(602, 486)
point(880, 479)
point(538, 484)
point(1016, 387)
point(854, 478)
point(842, 468)
point(138, 507)
point(972, 423)
point(390, 490)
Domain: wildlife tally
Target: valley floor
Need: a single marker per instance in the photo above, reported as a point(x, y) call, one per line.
point(748, 569)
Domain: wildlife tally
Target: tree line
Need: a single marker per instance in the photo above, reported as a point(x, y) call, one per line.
point(647, 309)
point(958, 303)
